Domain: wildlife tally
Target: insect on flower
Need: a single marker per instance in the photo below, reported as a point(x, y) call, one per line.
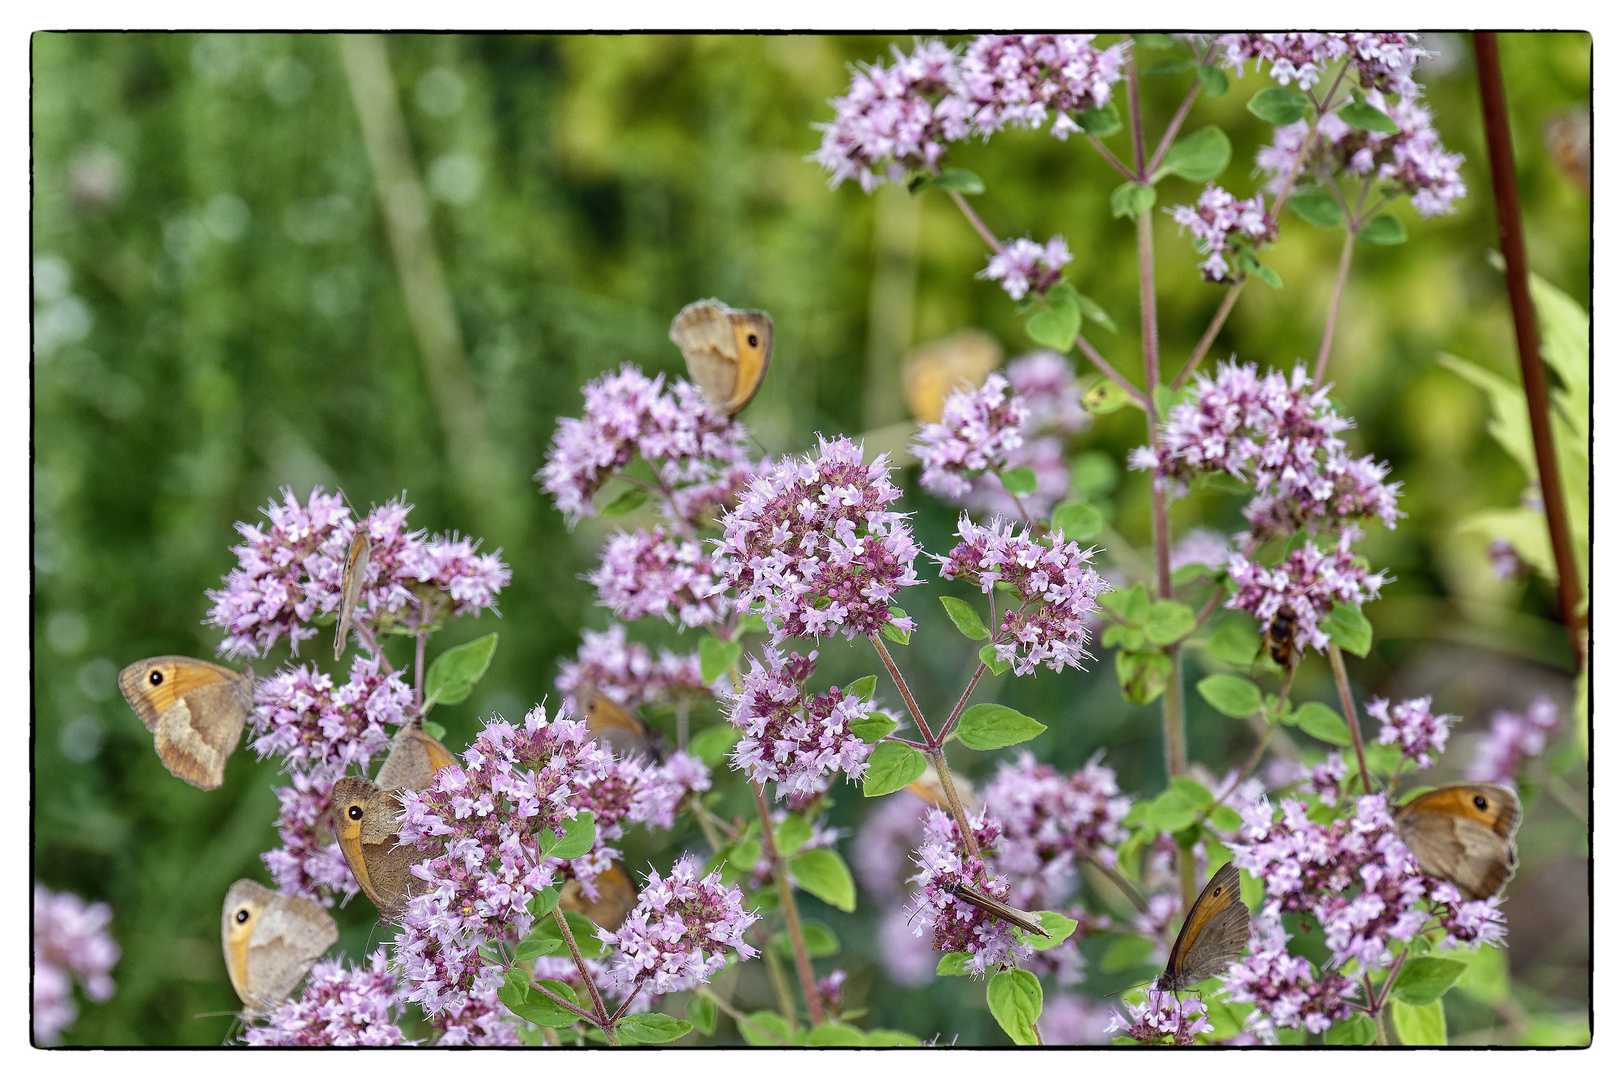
point(1025, 920)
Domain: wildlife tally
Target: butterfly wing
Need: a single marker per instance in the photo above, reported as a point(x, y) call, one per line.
point(615, 726)
point(195, 711)
point(271, 941)
point(752, 339)
point(366, 821)
point(1213, 935)
point(414, 757)
point(349, 594)
point(616, 896)
point(1464, 834)
point(705, 335)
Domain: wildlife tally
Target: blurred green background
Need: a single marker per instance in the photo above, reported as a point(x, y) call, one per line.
point(219, 312)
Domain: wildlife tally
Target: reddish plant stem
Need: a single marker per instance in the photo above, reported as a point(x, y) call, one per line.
point(1171, 133)
point(944, 774)
point(586, 976)
point(1210, 335)
point(791, 913)
point(901, 685)
point(1335, 307)
point(1508, 208)
point(952, 719)
point(1345, 688)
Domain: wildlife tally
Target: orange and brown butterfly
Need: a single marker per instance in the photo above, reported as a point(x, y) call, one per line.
point(1463, 833)
point(195, 711)
point(366, 820)
point(932, 372)
point(1028, 921)
point(727, 351)
point(270, 942)
point(618, 728)
point(349, 590)
point(1214, 933)
point(616, 896)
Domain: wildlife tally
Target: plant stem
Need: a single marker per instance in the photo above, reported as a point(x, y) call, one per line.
point(1127, 888)
point(901, 685)
point(1210, 335)
point(564, 1003)
point(737, 1017)
point(791, 914)
point(1345, 688)
point(952, 719)
point(422, 648)
point(586, 976)
point(944, 774)
point(1335, 306)
point(1508, 209)
point(780, 984)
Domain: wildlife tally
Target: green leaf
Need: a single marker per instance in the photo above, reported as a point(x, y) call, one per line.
point(1235, 643)
point(965, 618)
point(1131, 199)
point(1225, 819)
point(1101, 122)
point(892, 632)
point(1131, 605)
point(1057, 323)
point(1079, 521)
point(745, 854)
point(1154, 41)
point(542, 903)
point(1366, 117)
point(651, 1028)
point(1092, 311)
point(1323, 723)
point(891, 767)
point(1176, 66)
point(776, 1025)
point(1486, 976)
point(1165, 398)
point(1383, 229)
point(823, 873)
point(989, 726)
point(1268, 274)
point(455, 672)
point(582, 929)
point(1231, 695)
point(1058, 927)
point(624, 503)
point(954, 963)
point(1143, 675)
point(576, 839)
point(792, 834)
point(1424, 979)
point(1016, 1001)
point(1021, 481)
point(1172, 811)
point(1359, 1031)
point(711, 745)
point(717, 657)
point(1127, 638)
point(1168, 621)
point(1279, 105)
point(1420, 1025)
point(863, 688)
point(1126, 951)
point(1349, 629)
point(434, 729)
point(876, 727)
point(834, 1033)
point(962, 181)
point(888, 1037)
point(535, 1006)
point(1213, 80)
point(751, 623)
point(989, 657)
point(1200, 156)
point(702, 1011)
point(1316, 208)
point(820, 941)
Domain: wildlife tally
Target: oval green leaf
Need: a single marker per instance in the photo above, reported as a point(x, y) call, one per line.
point(1231, 695)
point(891, 767)
point(1016, 1001)
point(1279, 105)
point(823, 873)
point(1323, 723)
point(1424, 979)
point(455, 672)
point(989, 726)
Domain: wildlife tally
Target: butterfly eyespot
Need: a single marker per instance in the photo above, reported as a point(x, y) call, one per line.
point(155, 677)
point(242, 915)
point(1480, 803)
point(755, 342)
point(356, 813)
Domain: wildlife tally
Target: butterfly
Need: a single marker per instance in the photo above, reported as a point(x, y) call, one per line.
point(1213, 936)
point(618, 728)
point(1463, 833)
point(195, 711)
point(270, 942)
point(727, 351)
point(933, 372)
point(349, 591)
point(616, 896)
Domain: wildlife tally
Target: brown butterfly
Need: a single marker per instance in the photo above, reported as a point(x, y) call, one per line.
point(414, 757)
point(1025, 920)
point(349, 591)
point(727, 351)
point(1463, 833)
point(618, 728)
point(195, 711)
point(270, 942)
point(932, 372)
point(1214, 935)
point(616, 896)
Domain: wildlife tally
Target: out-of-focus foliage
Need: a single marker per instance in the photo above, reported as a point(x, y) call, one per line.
point(218, 313)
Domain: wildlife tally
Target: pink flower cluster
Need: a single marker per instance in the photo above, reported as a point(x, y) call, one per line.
point(1411, 725)
point(339, 1007)
point(71, 941)
point(678, 934)
point(1017, 78)
point(324, 730)
point(1512, 739)
point(627, 416)
point(813, 543)
point(629, 673)
point(1382, 61)
point(979, 430)
point(1023, 265)
point(955, 925)
point(1052, 591)
point(1162, 1018)
point(1221, 224)
point(1305, 587)
point(292, 572)
point(309, 863)
point(1052, 823)
point(1284, 989)
point(1324, 779)
point(652, 573)
point(792, 737)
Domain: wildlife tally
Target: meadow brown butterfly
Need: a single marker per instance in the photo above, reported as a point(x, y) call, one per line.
point(414, 757)
point(616, 896)
point(349, 591)
point(1463, 833)
point(617, 727)
point(195, 711)
point(1025, 920)
point(727, 351)
point(932, 372)
point(1213, 936)
point(270, 942)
